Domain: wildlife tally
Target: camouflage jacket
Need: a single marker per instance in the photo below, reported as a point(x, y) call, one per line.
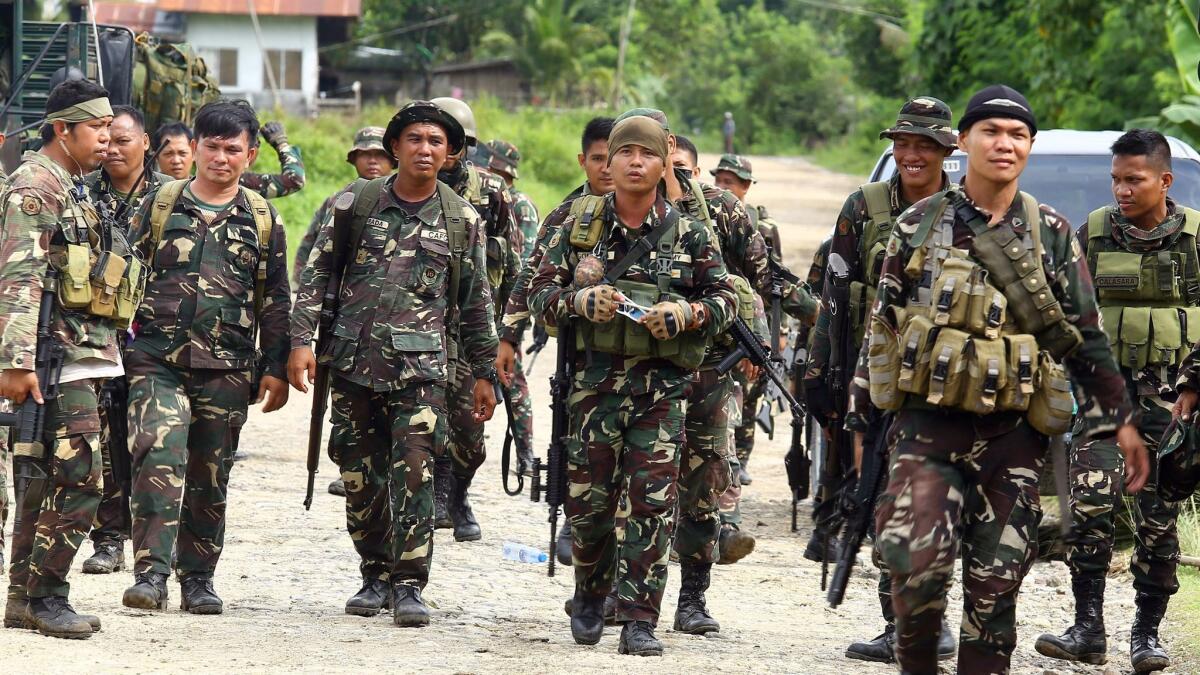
point(526, 215)
point(488, 193)
point(40, 203)
point(391, 328)
point(101, 192)
point(198, 309)
point(1091, 366)
point(702, 278)
point(768, 228)
point(289, 179)
point(304, 248)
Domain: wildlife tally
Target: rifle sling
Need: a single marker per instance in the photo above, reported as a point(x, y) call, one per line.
point(642, 246)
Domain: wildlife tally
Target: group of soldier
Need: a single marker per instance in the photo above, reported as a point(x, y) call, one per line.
point(961, 321)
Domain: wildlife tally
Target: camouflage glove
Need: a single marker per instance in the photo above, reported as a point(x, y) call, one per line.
point(596, 303)
point(274, 134)
point(665, 320)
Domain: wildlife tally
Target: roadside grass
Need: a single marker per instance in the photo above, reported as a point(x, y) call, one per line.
point(1185, 606)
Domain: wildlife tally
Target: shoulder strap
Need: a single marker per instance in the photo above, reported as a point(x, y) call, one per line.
point(1098, 223)
point(456, 234)
point(164, 204)
point(1191, 221)
point(933, 213)
point(643, 246)
point(262, 221)
point(474, 191)
point(1033, 219)
point(879, 202)
point(698, 193)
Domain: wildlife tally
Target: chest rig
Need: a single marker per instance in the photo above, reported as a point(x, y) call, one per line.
point(100, 275)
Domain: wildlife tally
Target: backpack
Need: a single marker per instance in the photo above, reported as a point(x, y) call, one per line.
point(170, 82)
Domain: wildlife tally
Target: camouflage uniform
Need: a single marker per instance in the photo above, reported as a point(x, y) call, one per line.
point(503, 157)
point(193, 370)
point(289, 179)
point(39, 197)
point(627, 422)
point(390, 377)
point(976, 482)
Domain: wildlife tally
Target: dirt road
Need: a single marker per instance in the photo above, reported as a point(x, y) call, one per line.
point(286, 573)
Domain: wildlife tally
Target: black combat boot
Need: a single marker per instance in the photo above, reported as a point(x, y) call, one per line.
point(149, 591)
point(16, 612)
point(374, 597)
point(562, 545)
point(744, 475)
point(637, 639)
point(466, 528)
point(821, 547)
point(1145, 652)
point(53, 616)
point(882, 649)
point(337, 487)
point(691, 615)
point(408, 610)
point(733, 545)
point(1084, 641)
point(196, 594)
point(947, 646)
point(442, 478)
point(610, 607)
point(587, 618)
point(109, 557)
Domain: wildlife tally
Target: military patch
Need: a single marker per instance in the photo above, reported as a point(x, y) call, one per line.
point(376, 222)
point(436, 235)
point(31, 206)
point(554, 239)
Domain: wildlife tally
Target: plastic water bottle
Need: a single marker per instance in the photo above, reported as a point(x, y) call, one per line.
point(522, 553)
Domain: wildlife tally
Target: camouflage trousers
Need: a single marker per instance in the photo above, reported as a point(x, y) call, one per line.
point(703, 467)
point(744, 432)
point(184, 425)
point(622, 467)
point(5, 406)
point(464, 443)
point(522, 406)
point(959, 480)
point(45, 544)
point(1096, 497)
point(729, 503)
point(384, 444)
point(109, 526)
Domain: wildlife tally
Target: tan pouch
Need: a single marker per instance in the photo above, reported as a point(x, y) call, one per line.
point(1021, 352)
point(987, 375)
point(1052, 406)
point(988, 308)
point(948, 368)
point(883, 363)
point(105, 284)
point(914, 354)
point(1134, 337)
point(1166, 336)
point(75, 288)
point(950, 295)
point(129, 295)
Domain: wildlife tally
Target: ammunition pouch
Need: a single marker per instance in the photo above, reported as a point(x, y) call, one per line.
point(1052, 405)
point(884, 359)
point(626, 337)
point(746, 296)
point(106, 285)
point(495, 260)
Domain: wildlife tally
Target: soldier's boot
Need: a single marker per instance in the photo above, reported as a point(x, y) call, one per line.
point(525, 460)
point(691, 615)
point(53, 616)
point(16, 612)
point(374, 597)
point(744, 475)
point(587, 618)
point(947, 645)
point(109, 557)
point(562, 545)
point(408, 610)
point(734, 545)
point(1084, 641)
point(442, 478)
point(197, 596)
point(610, 607)
point(337, 487)
point(637, 639)
point(881, 649)
point(821, 547)
point(466, 528)
point(149, 591)
point(1145, 652)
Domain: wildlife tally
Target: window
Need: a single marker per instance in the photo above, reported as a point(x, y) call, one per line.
point(222, 64)
point(285, 64)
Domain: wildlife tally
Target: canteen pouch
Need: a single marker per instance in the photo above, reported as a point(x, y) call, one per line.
point(948, 368)
point(950, 295)
point(106, 281)
point(914, 351)
point(1021, 352)
point(1134, 338)
point(1052, 405)
point(988, 308)
point(1123, 276)
point(987, 375)
point(75, 288)
point(883, 363)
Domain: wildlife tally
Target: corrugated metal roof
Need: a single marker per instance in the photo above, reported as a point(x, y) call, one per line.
point(143, 12)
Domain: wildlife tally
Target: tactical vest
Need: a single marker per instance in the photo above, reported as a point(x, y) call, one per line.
point(982, 333)
point(105, 280)
point(1149, 302)
point(702, 213)
point(622, 335)
point(497, 243)
point(872, 245)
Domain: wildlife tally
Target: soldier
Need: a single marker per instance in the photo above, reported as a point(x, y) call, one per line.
point(177, 158)
point(504, 160)
point(593, 159)
point(45, 222)
point(418, 274)
point(628, 399)
point(115, 189)
point(981, 367)
point(465, 449)
point(218, 278)
point(921, 139)
point(1144, 228)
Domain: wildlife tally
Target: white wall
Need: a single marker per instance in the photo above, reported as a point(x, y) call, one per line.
point(227, 31)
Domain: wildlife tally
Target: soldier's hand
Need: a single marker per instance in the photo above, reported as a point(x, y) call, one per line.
point(597, 303)
point(485, 401)
point(506, 362)
point(1137, 459)
point(749, 370)
point(16, 384)
point(276, 388)
point(274, 134)
point(858, 452)
point(667, 319)
point(302, 362)
point(1185, 404)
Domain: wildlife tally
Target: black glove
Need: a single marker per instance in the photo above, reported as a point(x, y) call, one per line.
point(819, 400)
point(274, 134)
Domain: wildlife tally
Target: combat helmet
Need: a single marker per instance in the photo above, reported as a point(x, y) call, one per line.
point(460, 111)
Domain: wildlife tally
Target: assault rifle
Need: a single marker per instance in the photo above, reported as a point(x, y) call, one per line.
point(797, 461)
point(773, 400)
point(554, 488)
point(114, 401)
point(342, 220)
point(540, 338)
point(859, 510)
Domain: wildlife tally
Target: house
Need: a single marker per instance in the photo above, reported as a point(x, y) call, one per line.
point(287, 44)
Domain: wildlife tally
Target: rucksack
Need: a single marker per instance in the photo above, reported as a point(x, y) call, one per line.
point(170, 82)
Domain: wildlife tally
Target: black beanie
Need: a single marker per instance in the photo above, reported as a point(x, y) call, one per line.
point(998, 100)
